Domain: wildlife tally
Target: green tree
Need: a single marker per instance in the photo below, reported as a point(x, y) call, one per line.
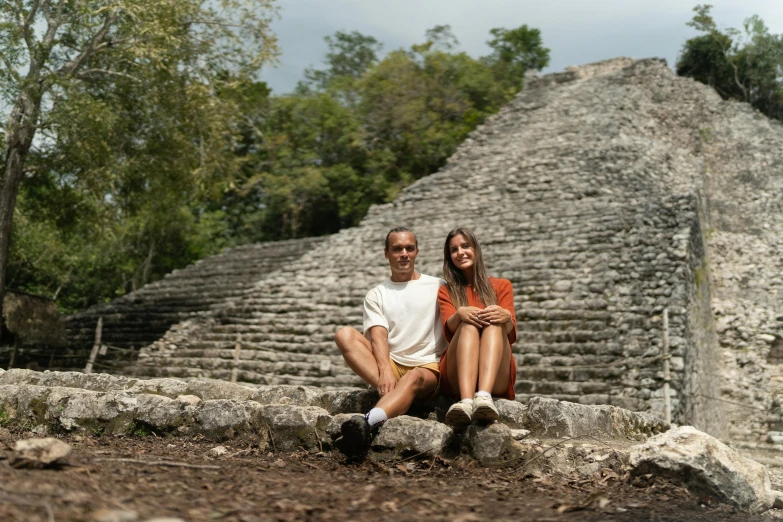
point(348, 57)
point(515, 51)
point(105, 98)
point(742, 64)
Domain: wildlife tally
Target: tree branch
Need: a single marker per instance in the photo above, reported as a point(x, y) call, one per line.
point(107, 72)
point(73, 66)
point(26, 23)
point(13, 72)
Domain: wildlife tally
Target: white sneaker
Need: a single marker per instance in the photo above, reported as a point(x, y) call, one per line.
point(484, 409)
point(458, 415)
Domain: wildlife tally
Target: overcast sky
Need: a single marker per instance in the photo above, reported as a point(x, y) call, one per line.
point(576, 31)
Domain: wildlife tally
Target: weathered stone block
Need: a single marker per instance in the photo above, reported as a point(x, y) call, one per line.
point(554, 419)
point(295, 427)
point(167, 387)
point(222, 419)
point(286, 394)
point(493, 445)
point(406, 436)
point(512, 413)
point(707, 467)
point(208, 390)
point(349, 401)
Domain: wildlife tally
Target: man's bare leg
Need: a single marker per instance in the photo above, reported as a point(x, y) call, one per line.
point(419, 383)
point(357, 352)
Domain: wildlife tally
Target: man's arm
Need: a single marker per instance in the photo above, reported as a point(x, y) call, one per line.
point(379, 339)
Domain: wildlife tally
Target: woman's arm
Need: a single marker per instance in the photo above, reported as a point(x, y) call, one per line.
point(451, 317)
point(503, 313)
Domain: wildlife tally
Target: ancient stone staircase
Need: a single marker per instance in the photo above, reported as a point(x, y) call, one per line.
point(142, 317)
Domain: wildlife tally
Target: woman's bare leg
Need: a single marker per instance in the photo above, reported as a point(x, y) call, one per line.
point(494, 360)
point(462, 362)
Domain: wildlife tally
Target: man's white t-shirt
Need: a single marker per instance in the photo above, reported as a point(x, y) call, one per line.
point(409, 311)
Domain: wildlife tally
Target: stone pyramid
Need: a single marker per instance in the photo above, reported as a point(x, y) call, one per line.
point(606, 194)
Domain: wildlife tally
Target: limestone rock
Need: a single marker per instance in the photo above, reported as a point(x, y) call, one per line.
point(554, 419)
point(520, 434)
point(707, 467)
point(101, 382)
point(72, 409)
point(512, 413)
point(166, 387)
point(295, 427)
point(19, 376)
point(39, 453)
point(407, 436)
point(349, 401)
point(163, 413)
point(207, 390)
point(190, 399)
point(114, 515)
point(295, 395)
point(335, 424)
point(493, 445)
point(218, 451)
point(222, 419)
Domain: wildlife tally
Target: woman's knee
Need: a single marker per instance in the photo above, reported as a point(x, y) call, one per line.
point(467, 329)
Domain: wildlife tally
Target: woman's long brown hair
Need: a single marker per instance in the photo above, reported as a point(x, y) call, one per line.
point(455, 280)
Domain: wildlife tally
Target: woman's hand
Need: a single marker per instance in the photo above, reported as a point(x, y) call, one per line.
point(471, 315)
point(495, 315)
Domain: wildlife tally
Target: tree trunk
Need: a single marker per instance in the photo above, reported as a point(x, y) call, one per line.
point(20, 132)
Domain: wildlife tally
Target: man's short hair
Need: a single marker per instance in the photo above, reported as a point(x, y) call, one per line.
point(401, 229)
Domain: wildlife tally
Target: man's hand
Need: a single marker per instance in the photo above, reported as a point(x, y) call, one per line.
point(386, 382)
point(495, 315)
point(471, 315)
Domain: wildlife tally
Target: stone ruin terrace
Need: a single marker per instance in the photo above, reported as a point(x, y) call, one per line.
point(605, 193)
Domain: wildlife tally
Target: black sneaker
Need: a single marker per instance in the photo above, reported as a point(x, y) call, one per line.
point(356, 436)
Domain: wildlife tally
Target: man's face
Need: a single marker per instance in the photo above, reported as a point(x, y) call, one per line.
point(402, 252)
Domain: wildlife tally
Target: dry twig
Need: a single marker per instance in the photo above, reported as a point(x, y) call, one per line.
point(161, 463)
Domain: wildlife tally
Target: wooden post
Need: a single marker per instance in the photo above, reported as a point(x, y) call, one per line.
point(96, 346)
point(132, 353)
point(667, 406)
point(237, 351)
point(15, 352)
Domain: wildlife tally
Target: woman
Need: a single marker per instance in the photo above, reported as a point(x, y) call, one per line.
point(478, 318)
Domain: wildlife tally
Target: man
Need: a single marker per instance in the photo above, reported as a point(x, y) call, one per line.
point(402, 342)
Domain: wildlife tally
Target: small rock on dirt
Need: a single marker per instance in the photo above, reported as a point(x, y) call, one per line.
point(218, 451)
point(39, 453)
point(114, 515)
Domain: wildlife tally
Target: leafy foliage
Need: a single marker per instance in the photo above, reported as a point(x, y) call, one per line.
point(742, 64)
point(149, 168)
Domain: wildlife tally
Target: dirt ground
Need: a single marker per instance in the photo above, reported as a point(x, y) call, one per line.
point(168, 477)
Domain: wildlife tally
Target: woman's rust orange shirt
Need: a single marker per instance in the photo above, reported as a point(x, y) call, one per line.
point(505, 297)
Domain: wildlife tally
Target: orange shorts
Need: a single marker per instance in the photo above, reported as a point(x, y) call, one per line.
point(400, 369)
point(445, 386)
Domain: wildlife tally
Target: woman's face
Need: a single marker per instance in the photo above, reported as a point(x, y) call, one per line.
point(462, 254)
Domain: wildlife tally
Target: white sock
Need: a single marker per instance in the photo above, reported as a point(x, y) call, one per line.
point(482, 393)
point(467, 401)
point(376, 416)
